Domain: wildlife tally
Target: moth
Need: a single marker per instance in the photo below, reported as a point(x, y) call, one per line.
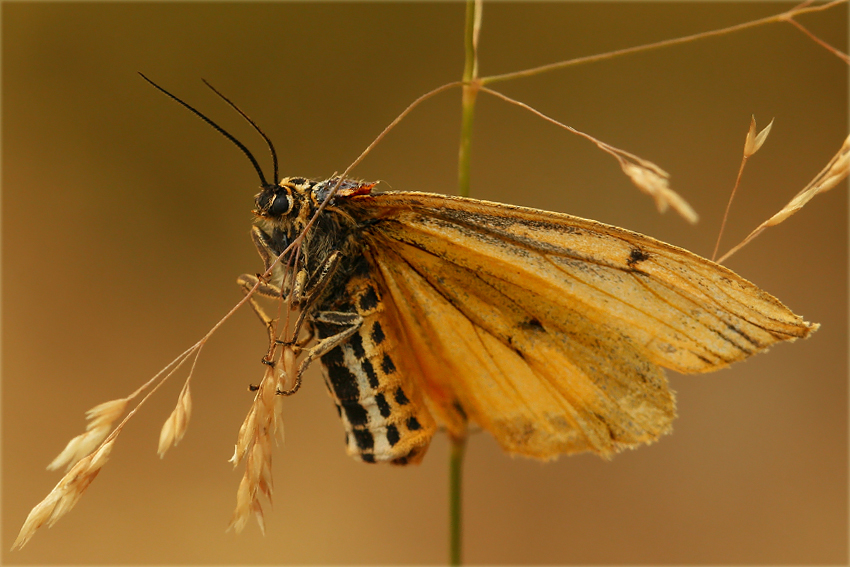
point(549, 331)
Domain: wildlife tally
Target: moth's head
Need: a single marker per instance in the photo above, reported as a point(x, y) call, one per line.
point(296, 197)
point(275, 202)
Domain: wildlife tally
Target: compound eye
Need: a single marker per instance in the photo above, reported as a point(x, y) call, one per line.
point(281, 205)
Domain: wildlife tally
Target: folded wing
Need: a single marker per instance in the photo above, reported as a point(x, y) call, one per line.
point(549, 330)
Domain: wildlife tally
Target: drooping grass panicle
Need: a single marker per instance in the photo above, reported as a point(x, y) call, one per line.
point(86, 454)
point(65, 494)
point(262, 425)
point(647, 176)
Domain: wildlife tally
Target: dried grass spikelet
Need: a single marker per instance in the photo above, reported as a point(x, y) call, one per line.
point(65, 494)
point(830, 176)
point(752, 144)
point(755, 141)
point(175, 426)
point(254, 443)
point(654, 181)
point(100, 418)
point(647, 176)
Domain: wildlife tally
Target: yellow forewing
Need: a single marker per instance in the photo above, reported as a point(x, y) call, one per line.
point(688, 313)
point(549, 330)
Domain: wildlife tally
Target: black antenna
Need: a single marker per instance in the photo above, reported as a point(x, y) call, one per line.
point(221, 130)
point(252, 123)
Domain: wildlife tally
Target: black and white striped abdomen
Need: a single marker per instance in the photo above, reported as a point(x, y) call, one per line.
point(373, 385)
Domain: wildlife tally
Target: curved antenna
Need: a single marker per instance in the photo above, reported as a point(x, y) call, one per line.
point(218, 128)
point(252, 123)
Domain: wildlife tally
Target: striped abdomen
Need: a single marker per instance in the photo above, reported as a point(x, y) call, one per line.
point(381, 407)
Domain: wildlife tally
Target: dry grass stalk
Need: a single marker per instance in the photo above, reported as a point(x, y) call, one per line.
point(830, 176)
point(647, 176)
point(100, 418)
point(840, 54)
point(752, 144)
point(65, 494)
point(175, 426)
point(254, 443)
point(806, 7)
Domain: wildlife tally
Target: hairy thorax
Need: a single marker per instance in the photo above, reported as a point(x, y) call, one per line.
point(283, 212)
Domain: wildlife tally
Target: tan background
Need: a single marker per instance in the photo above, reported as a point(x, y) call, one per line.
point(125, 224)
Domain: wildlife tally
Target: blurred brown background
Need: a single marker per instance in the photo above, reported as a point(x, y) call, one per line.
point(126, 222)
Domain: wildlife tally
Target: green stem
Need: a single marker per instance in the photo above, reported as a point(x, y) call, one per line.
point(470, 91)
point(463, 174)
point(458, 450)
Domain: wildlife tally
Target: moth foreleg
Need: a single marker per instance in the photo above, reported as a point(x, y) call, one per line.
point(314, 288)
point(264, 247)
point(351, 323)
point(247, 282)
point(305, 290)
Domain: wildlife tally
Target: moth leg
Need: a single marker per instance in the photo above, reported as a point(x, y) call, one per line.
point(317, 284)
point(351, 323)
point(263, 244)
point(297, 296)
point(309, 336)
point(264, 249)
point(267, 254)
point(304, 292)
point(247, 282)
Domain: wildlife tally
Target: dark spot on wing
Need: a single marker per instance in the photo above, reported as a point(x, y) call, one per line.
point(604, 421)
point(356, 414)
point(637, 255)
point(356, 342)
point(343, 382)
point(377, 334)
point(369, 300)
point(533, 324)
point(387, 364)
point(333, 357)
point(364, 440)
point(367, 367)
point(400, 398)
point(392, 435)
point(383, 405)
point(413, 424)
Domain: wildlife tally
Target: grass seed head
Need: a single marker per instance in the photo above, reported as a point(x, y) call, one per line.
point(101, 417)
